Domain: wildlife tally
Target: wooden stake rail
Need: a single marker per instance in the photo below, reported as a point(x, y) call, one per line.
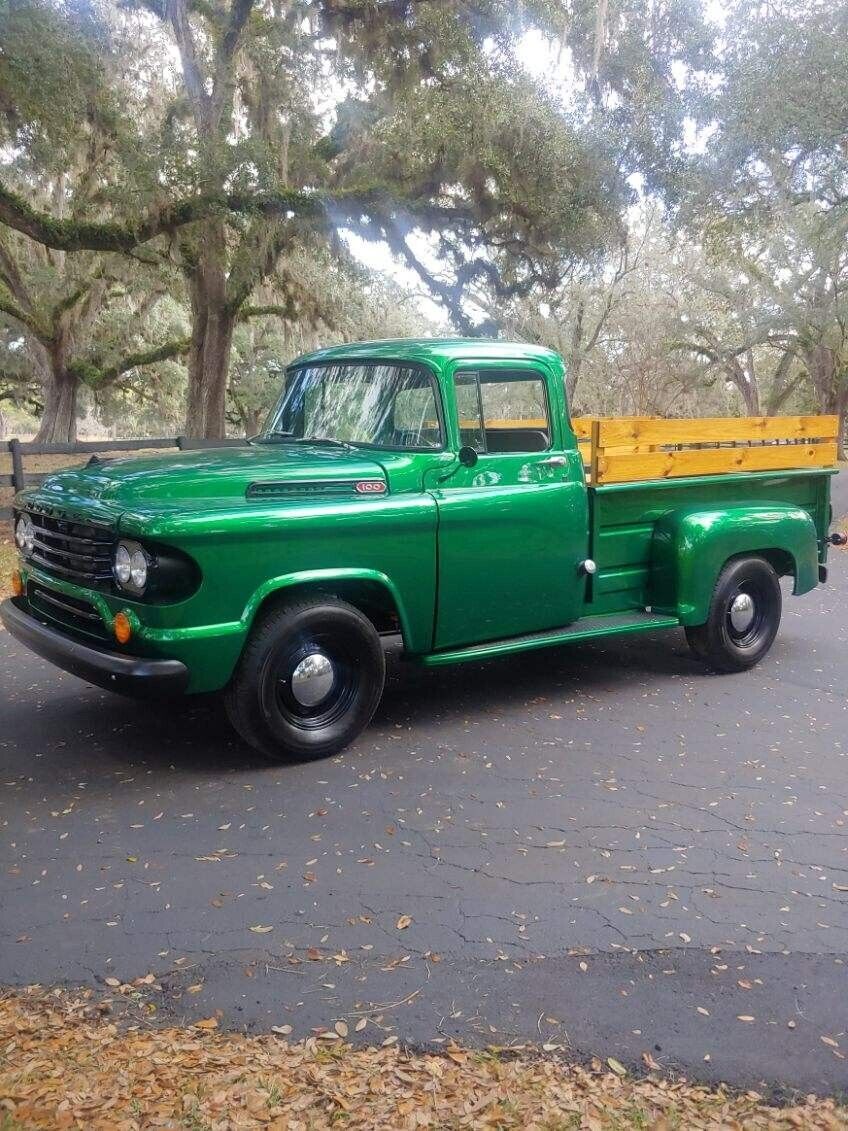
point(627, 449)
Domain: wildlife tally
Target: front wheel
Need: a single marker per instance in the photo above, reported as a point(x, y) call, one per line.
point(743, 619)
point(309, 679)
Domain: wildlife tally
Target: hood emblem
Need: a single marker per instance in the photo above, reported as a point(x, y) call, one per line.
point(314, 488)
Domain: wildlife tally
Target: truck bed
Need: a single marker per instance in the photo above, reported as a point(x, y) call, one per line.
point(622, 518)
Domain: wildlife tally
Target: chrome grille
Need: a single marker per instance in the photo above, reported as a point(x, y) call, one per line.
point(75, 551)
point(69, 612)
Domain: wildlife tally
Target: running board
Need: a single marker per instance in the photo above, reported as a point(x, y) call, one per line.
point(588, 628)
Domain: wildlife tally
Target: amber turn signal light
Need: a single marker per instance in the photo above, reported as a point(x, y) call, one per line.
point(122, 628)
point(17, 583)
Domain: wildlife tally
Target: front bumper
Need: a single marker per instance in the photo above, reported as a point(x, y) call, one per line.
point(128, 675)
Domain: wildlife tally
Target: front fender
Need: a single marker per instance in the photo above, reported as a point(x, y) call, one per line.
point(690, 547)
point(313, 578)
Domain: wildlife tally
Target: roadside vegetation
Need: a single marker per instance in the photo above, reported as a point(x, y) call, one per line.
point(193, 194)
point(8, 558)
point(67, 1064)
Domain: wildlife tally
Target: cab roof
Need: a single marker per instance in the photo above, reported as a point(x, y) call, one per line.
point(437, 351)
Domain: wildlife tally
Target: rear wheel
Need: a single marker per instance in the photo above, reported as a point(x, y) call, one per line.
point(743, 619)
point(309, 679)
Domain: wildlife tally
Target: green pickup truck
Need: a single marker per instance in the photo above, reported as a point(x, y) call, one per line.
point(434, 489)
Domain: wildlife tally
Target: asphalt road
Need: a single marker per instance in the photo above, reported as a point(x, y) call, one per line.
point(601, 848)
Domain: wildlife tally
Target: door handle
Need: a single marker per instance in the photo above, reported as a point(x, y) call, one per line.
point(553, 461)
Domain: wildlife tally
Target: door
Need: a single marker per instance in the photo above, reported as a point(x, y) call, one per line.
point(513, 527)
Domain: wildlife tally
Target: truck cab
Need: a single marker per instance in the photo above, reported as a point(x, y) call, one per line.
point(433, 488)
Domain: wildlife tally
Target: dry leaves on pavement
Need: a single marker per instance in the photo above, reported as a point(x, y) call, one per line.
point(62, 1065)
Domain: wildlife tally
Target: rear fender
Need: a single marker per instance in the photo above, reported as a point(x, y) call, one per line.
point(690, 547)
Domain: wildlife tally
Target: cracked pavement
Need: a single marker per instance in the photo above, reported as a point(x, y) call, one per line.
point(600, 847)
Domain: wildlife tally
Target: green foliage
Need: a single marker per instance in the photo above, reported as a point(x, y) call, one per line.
point(181, 198)
point(325, 299)
point(51, 75)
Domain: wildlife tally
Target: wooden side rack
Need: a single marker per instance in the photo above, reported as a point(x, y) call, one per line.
point(627, 449)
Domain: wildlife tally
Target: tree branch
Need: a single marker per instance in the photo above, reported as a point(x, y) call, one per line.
point(239, 14)
point(100, 374)
point(339, 208)
point(192, 75)
point(13, 279)
point(9, 307)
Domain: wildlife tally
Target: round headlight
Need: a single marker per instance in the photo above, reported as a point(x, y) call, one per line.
point(138, 569)
point(25, 535)
point(123, 568)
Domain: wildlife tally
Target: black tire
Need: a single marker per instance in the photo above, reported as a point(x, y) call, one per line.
point(734, 643)
point(262, 699)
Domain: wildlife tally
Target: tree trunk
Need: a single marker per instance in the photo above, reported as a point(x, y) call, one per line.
point(828, 381)
point(745, 381)
point(842, 413)
point(783, 385)
point(213, 323)
point(59, 419)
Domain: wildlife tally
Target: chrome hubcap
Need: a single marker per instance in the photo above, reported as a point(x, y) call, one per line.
point(312, 680)
point(742, 612)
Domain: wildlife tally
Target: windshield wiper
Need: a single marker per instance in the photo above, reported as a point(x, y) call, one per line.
point(266, 436)
point(290, 438)
point(329, 440)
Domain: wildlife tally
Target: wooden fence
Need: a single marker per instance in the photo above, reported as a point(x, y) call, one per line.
point(20, 449)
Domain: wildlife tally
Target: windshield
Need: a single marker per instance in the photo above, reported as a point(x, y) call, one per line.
point(382, 406)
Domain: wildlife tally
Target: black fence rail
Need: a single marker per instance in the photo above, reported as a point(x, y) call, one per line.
point(20, 449)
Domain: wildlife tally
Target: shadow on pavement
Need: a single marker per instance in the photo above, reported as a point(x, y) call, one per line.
point(193, 734)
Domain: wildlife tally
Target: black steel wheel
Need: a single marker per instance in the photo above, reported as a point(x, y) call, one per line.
point(743, 618)
point(309, 680)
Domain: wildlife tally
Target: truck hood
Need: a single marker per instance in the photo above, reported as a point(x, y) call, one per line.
point(215, 476)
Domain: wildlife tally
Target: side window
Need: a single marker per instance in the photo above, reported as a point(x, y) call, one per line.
point(503, 412)
point(470, 412)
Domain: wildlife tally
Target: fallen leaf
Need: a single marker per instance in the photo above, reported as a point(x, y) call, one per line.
point(283, 1030)
point(403, 922)
point(207, 1023)
point(616, 1065)
point(744, 1017)
point(341, 1028)
point(360, 1024)
point(260, 930)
